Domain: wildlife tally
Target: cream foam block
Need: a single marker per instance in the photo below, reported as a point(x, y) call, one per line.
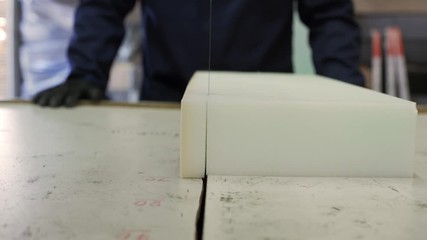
point(270, 124)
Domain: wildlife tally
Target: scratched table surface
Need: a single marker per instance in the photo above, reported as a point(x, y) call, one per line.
point(93, 172)
point(112, 173)
point(320, 208)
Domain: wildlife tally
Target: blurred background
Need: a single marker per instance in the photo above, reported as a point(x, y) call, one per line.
point(34, 35)
point(3, 57)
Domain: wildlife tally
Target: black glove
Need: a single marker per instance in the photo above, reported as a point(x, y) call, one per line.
point(68, 94)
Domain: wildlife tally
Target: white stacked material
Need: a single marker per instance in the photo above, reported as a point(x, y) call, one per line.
point(271, 124)
point(193, 127)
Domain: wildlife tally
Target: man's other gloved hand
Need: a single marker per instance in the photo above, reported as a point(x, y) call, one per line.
point(68, 94)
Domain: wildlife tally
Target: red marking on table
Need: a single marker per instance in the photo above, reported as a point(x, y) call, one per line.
point(134, 235)
point(157, 179)
point(148, 202)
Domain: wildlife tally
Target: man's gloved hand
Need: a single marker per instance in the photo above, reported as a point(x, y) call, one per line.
point(68, 94)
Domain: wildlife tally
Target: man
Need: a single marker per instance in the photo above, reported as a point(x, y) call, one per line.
point(244, 35)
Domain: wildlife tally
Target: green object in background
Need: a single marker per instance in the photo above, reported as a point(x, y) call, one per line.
point(302, 60)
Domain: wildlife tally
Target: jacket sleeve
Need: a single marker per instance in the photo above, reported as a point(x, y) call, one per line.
point(334, 38)
point(98, 33)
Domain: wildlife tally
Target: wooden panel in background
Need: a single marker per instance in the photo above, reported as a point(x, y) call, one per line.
point(390, 6)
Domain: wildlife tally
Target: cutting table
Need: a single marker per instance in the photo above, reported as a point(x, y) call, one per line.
point(111, 171)
point(93, 172)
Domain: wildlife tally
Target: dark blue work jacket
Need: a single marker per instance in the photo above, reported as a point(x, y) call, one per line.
point(247, 35)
